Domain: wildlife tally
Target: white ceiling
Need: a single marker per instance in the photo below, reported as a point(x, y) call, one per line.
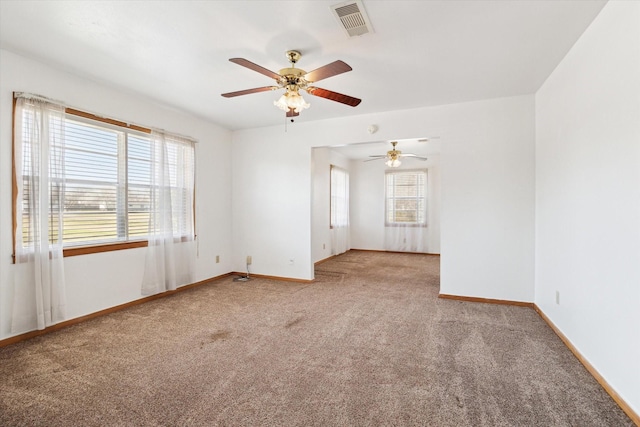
point(422, 52)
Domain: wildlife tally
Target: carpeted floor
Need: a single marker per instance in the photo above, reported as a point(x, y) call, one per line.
point(369, 343)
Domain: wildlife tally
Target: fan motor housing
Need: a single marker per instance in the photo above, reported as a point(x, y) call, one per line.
point(293, 77)
point(293, 72)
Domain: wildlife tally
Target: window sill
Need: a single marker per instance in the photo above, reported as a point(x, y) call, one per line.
point(400, 224)
point(84, 250)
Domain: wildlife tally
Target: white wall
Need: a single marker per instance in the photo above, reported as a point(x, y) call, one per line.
point(487, 230)
point(367, 202)
point(271, 181)
point(99, 281)
point(588, 197)
point(487, 182)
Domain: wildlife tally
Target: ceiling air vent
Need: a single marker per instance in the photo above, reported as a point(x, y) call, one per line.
point(352, 17)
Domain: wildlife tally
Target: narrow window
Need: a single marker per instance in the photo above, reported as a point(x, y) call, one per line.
point(339, 202)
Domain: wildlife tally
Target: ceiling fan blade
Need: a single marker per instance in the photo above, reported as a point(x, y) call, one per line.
point(292, 113)
point(379, 158)
point(415, 156)
point(378, 155)
point(329, 70)
point(333, 96)
point(248, 91)
point(255, 67)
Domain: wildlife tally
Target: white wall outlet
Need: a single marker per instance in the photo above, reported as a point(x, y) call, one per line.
point(217, 259)
point(292, 261)
point(249, 260)
point(558, 297)
point(324, 246)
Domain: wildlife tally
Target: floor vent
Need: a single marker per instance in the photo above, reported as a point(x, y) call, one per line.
point(352, 17)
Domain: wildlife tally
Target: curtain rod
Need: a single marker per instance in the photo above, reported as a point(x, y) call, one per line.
point(37, 97)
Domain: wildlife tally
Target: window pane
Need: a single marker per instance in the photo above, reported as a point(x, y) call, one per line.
point(406, 197)
point(95, 220)
point(139, 190)
point(181, 163)
point(91, 186)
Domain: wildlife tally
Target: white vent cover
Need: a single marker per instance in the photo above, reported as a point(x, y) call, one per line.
point(352, 18)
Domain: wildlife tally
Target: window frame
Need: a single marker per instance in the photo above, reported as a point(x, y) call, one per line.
point(88, 248)
point(386, 198)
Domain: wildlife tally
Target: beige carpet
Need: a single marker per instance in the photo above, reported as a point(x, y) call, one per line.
point(369, 343)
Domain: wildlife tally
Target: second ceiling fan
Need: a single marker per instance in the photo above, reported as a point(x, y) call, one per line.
point(393, 156)
point(293, 79)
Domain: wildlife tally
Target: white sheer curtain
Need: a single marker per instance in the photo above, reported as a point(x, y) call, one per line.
point(39, 286)
point(340, 232)
point(405, 238)
point(170, 255)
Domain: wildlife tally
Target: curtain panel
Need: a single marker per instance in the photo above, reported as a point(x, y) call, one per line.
point(39, 285)
point(405, 238)
point(170, 258)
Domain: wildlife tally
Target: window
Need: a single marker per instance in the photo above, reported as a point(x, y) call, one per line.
point(339, 202)
point(405, 200)
point(106, 182)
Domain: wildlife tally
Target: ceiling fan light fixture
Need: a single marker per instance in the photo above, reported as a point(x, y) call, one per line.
point(291, 100)
point(393, 163)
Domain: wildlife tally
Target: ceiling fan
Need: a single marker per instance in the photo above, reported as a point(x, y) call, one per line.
point(393, 156)
point(293, 79)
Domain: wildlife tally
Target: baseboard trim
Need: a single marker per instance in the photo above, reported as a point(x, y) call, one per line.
point(263, 276)
point(394, 252)
point(32, 334)
point(486, 300)
point(589, 367)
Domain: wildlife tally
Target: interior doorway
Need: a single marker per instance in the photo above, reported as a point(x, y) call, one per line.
point(366, 166)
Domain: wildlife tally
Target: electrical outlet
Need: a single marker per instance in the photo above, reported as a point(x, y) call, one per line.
point(217, 259)
point(558, 297)
point(292, 261)
point(248, 259)
point(323, 246)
